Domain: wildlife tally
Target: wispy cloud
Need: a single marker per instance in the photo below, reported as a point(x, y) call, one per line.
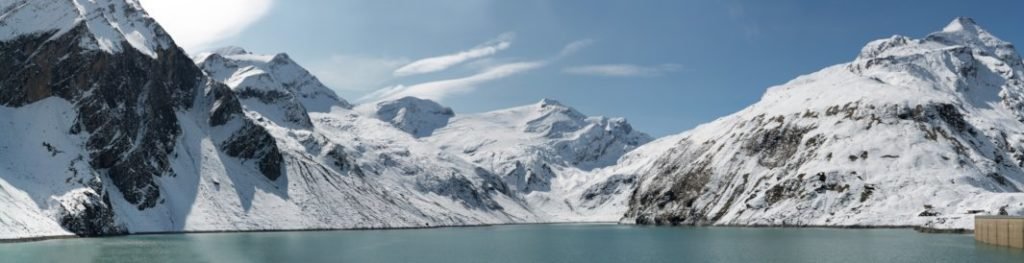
point(623, 70)
point(439, 90)
point(196, 24)
point(575, 47)
point(440, 63)
point(356, 72)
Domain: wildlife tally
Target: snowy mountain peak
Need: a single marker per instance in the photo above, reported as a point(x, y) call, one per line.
point(273, 80)
point(962, 24)
point(112, 23)
point(542, 148)
point(961, 32)
point(416, 116)
point(231, 51)
point(961, 61)
point(549, 102)
point(965, 32)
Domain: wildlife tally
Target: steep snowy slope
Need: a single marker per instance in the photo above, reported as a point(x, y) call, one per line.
point(544, 151)
point(355, 170)
point(112, 129)
point(922, 132)
point(111, 92)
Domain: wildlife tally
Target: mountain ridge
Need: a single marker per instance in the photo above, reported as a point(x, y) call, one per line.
point(119, 131)
point(912, 132)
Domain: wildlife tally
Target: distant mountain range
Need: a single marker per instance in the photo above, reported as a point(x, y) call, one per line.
point(110, 128)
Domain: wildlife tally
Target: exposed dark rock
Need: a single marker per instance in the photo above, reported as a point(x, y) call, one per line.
point(785, 190)
point(600, 193)
point(127, 101)
point(344, 162)
point(124, 100)
point(530, 177)
point(255, 143)
point(460, 189)
point(294, 111)
point(90, 215)
point(866, 194)
point(775, 146)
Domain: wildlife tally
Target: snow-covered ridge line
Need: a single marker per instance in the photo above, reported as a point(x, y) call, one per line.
point(922, 132)
point(111, 22)
point(272, 87)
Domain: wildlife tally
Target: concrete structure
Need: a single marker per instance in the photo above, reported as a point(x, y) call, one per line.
point(1007, 231)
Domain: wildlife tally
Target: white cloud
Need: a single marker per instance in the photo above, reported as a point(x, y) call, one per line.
point(623, 70)
point(439, 90)
point(440, 63)
point(195, 24)
point(576, 46)
point(356, 73)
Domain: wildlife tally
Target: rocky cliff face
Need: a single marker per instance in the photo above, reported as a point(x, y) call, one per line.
point(913, 132)
point(110, 129)
point(113, 129)
point(127, 93)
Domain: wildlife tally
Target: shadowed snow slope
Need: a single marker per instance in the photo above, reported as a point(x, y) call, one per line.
point(922, 132)
point(104, 139)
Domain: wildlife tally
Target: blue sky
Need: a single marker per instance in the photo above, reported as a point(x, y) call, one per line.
point(666, 65)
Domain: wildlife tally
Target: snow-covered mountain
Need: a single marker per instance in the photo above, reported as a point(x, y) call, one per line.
point(103, 109)
point(913, 132)
point(546, 151)
point(113, 129)
point(418, 117)
point(268, 78)
point(109, 128)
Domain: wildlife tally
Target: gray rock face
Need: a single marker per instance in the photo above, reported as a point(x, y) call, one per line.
point(688, 186)
point(94, 217)
point(254, 143)
point(125, 100)
point(127, 104)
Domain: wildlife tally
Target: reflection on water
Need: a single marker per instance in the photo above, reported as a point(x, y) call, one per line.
point(525, 243)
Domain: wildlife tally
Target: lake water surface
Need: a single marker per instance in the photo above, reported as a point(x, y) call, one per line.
point(526, 243)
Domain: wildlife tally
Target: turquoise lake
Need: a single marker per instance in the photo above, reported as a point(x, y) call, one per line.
point(526, 243)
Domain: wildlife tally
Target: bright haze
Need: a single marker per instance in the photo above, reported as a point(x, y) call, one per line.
point(666, 65)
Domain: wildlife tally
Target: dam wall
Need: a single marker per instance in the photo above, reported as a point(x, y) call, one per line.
point(1007, 231)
